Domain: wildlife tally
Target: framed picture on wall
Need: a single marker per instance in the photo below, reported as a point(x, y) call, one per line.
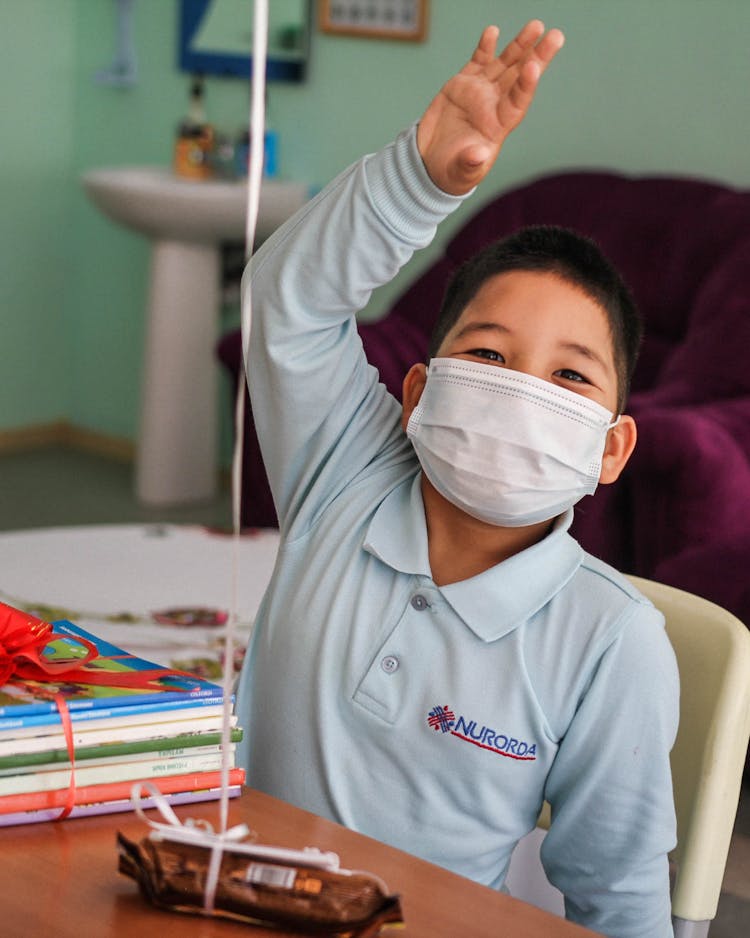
point(377, 19)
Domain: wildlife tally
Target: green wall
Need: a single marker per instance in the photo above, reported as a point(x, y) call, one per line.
point(36, 148)
point(642, 86)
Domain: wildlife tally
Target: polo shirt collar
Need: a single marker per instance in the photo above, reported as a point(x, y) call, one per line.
point(397, 533)
point(494, 602)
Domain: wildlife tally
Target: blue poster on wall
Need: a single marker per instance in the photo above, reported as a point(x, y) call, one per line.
point(216, 37)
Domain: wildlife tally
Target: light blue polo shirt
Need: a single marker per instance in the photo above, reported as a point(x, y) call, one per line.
point(436, 719)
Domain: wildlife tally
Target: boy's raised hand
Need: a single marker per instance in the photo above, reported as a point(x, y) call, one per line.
point(463, 129)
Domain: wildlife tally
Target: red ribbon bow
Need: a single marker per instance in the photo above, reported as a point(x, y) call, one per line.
point(23, 639)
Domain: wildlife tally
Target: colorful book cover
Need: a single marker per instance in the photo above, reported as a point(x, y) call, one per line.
point(115, 806)
point(114, 791)
point(13, 727)
point(132, 771)
point(131, 683)
point(113, 733)
point(190, 744)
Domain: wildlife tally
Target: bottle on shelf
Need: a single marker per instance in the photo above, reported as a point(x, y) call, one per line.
point(195, 137)
point(270, 150)
point(270, 153)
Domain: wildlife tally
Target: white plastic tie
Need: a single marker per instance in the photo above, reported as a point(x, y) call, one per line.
point(201, 833)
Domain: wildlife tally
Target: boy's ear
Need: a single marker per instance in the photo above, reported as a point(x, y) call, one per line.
point(414, 382)
point(617, 449)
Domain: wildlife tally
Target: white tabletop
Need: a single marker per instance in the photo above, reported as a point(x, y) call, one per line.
point(112, 579)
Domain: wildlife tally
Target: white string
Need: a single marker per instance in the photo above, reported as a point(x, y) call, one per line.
point(254, 178)
point(197, 831)
point(257, 121)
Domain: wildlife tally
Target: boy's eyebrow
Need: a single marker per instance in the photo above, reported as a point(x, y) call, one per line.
point(586, 351)
point(489, 326)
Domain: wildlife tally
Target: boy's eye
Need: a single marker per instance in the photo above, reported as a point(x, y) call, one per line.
point(569, 375)
point(488, 353)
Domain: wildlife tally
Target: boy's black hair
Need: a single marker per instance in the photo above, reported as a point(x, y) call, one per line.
point(569, 255)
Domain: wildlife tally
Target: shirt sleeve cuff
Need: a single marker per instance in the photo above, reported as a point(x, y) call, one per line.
point(402, 192)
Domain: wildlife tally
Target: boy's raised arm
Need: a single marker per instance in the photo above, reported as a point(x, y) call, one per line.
point(465, 126)
point(319, 414)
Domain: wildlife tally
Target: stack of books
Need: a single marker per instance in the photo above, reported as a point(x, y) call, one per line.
point(166, 731)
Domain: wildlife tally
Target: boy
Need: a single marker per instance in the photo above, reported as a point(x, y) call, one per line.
point(435, 655)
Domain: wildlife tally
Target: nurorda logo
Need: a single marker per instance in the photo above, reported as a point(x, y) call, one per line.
point(443, 719)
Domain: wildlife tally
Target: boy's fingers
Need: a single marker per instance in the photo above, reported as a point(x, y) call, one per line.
point(468, 168)
point(485, 50)
point(536, 46)
point(517, 48)
point(474, 156)
point(522, 91)
point(549, 46)
point(520, 82)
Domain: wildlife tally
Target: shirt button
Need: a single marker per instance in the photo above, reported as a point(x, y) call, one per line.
point(389, 664)
point(419, 602)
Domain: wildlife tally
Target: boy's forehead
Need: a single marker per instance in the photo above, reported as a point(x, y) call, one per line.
point(541, 304)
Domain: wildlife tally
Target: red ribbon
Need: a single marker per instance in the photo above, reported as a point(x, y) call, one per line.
point(23, 639)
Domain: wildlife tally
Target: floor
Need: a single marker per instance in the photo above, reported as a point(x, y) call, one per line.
point(49, 487)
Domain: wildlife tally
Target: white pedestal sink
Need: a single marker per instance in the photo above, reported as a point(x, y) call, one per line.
point(186, 221)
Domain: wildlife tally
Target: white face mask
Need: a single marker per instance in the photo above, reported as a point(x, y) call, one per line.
point(504, 446)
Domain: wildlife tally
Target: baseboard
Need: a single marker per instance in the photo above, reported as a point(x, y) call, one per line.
point(101, 444)
point(63, 433)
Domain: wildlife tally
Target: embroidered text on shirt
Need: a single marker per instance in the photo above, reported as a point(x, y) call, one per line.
point(444, 720)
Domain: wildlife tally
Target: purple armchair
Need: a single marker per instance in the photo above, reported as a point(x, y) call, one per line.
point(681, 511)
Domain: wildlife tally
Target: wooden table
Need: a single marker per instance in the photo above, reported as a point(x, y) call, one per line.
point(61, 879)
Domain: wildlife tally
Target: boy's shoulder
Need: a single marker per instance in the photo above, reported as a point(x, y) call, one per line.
point(596, 614)
point(605, 582)
point(599, 605)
